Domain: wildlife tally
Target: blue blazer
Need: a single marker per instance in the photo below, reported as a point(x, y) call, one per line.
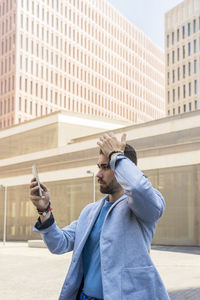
point(128, 272)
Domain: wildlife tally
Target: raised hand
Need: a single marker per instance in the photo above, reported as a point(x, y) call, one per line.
point(38, 201)
point(108, 143)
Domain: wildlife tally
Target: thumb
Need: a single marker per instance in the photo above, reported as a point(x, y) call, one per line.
point(123, 140)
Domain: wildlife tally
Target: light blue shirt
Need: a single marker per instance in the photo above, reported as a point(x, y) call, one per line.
point(92, 260)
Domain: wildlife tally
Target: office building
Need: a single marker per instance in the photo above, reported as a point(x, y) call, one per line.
point(182, 48)
point(80, 56)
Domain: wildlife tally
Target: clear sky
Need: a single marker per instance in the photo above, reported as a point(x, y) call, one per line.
point(148, 15)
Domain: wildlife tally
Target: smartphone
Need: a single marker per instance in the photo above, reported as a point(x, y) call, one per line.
point(35, 173)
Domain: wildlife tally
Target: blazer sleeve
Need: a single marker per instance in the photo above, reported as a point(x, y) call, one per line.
point(146, 202)
point(58, 240)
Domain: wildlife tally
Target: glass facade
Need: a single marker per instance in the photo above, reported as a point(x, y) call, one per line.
point(180, 188)
point(178, 225)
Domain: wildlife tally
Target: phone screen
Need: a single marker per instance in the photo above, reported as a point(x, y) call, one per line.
point(35, 173)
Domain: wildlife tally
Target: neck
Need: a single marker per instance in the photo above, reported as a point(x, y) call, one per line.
point(116, 195)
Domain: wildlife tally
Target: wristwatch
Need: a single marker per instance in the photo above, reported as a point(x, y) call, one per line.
point(44, 212)
point(113, 152)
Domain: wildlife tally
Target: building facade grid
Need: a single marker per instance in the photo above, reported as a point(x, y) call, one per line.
point(182, 57)
point(81, 56)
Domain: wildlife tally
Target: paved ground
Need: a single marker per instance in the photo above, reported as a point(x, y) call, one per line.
point(35, 274)
point(180, 270)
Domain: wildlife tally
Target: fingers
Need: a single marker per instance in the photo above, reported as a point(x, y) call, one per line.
point(109, 142)
point(35, 192)
point(35, 198)
point(43, 186)
point(33, 179)
point(34, 189)
point(35, 184)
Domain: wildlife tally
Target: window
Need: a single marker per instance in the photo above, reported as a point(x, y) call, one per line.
point(57, 7)
point(27, 44)
point(178, 33)
point(183, 51)
point(36, 89)
point(25, 106)
point(183, 71)
point(179, 93)
point(22, 21)
point(21, 40)
point(167, 40)
point(168, 78)
point(168, 96)
point(194, 26)
point(178, 54)
point(27, 27)
point(172, 38)
point(36, 109)
point(31, 107)
point(190, 106)
point(26, 64)
point(195, 46)
point(195, 66)
point(32, 47)
point(173, 76)
point(184, 107)
point(184, 92)
point(189, 68)
point(41, 91)
point(173, 95)
point(20, 103)
point(38, 11)
point(36, 69)
point(196, 102)
point(33, 7)
point(190, 88)
point(195, 87)
point(183, 32)
point(178, 73)
point(20, 82)
point(179, 110)
point(189, 32)
point(189, 49)
point(20, 62)
point(173, 56)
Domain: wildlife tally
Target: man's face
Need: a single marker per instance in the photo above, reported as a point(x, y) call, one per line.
point(106, 178)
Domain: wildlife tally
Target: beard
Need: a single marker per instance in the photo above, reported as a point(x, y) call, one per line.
point(110, 188)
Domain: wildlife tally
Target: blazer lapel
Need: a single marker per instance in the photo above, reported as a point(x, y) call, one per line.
point(93, 216)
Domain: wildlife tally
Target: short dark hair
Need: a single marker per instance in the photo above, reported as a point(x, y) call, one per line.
point(129, 152)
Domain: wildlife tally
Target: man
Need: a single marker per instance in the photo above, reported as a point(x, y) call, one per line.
point(111, 238)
